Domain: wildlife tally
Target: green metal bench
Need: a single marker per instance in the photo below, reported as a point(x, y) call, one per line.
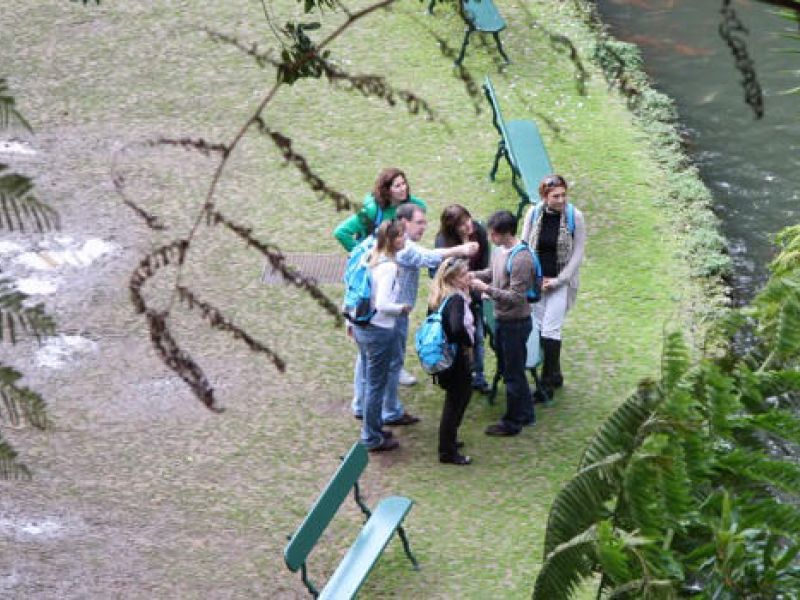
point(482, 16)
point(522, 146)
point(379, 527)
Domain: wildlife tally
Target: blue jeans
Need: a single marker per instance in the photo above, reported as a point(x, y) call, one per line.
point(392, 407)
point(478, 377)
point(511, 346)
point(376, 347)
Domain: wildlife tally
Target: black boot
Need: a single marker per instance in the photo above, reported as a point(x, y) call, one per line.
point(551, 371)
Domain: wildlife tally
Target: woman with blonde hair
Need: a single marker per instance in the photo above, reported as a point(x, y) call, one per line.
point(376, 339)
point(450, 288)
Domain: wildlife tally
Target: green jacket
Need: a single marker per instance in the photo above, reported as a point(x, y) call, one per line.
point(358, 226)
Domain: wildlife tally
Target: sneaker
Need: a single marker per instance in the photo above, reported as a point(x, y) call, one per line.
point(458, 459)
point(407, 378)
point(406, 419)
point(387, 433)
point(386, 445)
point(498, 429)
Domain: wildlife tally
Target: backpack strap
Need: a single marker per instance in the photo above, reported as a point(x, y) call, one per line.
point(537, 266)
point(440, 310)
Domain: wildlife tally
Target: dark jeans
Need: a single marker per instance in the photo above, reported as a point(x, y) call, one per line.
point(512, 339)
point(457, 385)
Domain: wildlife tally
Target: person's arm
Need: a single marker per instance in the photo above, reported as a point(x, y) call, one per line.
point(526, 225)
point(521, 273)
point(484, 275)
point(578, 248)
point(383, 277)
point(417, 257)
point(454, 318)
point(354, 227)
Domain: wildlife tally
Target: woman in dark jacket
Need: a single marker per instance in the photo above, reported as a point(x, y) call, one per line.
point(457, 227)
point(451, 288)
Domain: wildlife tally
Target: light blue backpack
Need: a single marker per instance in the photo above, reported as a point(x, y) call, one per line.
point(358, 284)
point(435, 352)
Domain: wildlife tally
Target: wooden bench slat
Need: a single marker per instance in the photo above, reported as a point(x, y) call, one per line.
point(323, 511)
point(370, 543)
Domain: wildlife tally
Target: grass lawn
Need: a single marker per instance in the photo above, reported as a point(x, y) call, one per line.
point(207, 500)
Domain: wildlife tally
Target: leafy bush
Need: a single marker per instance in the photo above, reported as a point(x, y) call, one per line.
point(677, 492)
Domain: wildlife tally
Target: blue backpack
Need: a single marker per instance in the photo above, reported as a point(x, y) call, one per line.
point(358, 284)
point(435, 352)
point(533, 293)
point(537, 210)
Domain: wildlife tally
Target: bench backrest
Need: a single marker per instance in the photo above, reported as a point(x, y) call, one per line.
point(499, 123)
point(326, 506)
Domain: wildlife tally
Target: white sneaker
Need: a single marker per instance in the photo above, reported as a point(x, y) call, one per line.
point(407, 378)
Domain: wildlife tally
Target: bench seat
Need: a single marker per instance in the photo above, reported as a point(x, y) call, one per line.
point(364, 553)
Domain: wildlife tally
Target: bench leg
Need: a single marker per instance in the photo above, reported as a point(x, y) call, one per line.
point(407, 547)
point(304, 575)
point(460, 58)
point(430, 7)
point(501, 150)
point(523, 196)
point(500, 47)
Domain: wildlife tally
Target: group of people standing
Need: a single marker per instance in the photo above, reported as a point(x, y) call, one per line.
point(464, 271)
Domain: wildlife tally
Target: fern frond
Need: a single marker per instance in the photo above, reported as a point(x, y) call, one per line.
point(780, 423)
point(8, 111)
point(785, 344)
point(768, 512)
point(758, 468)
point(719, 394)
point(611, 554)
point(643, 493)
point(10, 468)
point(15, 317)
point(20, 403)
point(618, 432)
point(566, 566)
point(788, 259)
point(582, 500)
point(674, 360)
point(19, 207)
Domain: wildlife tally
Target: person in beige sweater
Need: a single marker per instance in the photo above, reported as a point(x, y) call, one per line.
point(508, 287)
point(556, 231)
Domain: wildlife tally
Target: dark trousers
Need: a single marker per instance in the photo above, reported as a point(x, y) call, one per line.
point(511, 350)
point(457, 384)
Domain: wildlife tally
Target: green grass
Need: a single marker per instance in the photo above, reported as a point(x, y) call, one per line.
point(99, 77)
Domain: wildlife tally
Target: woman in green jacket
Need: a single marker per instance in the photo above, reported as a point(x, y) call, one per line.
point(391, 190)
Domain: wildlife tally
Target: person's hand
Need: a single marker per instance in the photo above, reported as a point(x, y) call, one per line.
point(478, 285)
point(548, 283)
point(406, 309)
point(471, 248)
point(348, 331)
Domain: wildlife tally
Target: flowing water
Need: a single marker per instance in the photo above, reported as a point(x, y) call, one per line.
point(751, 166)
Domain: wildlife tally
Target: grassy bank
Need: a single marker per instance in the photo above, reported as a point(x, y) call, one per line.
point(207, 501)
